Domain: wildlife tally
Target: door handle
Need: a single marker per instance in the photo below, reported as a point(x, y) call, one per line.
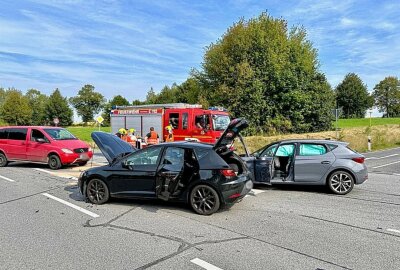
point(325, 162)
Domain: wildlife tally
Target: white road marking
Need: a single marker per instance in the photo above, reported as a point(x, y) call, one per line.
point(393, 230)
point(205, 264)
point(375, 158)
point(43, 170)
point(385, 165)
point(71, 205)
point(7, 179)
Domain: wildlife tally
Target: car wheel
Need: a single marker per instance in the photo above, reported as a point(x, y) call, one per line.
point(83, 163)
point(54, 162)
point(3, 160)
point(97, 191)
point(204, 200)
point(341, 182)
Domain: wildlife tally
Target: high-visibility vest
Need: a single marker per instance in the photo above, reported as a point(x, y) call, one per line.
point(170, 137)
point(153, 138)
point(131, 139)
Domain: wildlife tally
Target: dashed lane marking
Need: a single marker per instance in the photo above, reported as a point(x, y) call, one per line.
point(393, 230)
point(375, 158)
point(71, 205)
point(204, 264)
point(384, 165)
point(43, 170)
point(6, 178)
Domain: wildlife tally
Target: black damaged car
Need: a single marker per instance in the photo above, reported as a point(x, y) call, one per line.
point(203, 175)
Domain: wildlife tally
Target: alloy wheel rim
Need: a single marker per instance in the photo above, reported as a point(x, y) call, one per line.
point(341, 182)
point(204, 200)
point(96, 191)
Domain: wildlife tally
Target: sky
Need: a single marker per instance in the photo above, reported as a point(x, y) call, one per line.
point(126, 47)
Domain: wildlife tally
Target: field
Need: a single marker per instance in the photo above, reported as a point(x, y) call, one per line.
point(384, 132)
point(83, 133)
point(365, 122)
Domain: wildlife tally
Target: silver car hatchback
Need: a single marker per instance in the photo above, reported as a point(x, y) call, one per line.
point(308, 162)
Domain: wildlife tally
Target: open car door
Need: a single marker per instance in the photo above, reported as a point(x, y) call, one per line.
point(170, 172)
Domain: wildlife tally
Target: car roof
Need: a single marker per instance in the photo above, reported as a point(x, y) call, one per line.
point(324, 141)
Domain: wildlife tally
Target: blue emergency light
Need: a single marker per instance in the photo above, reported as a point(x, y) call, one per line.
point(214, 108)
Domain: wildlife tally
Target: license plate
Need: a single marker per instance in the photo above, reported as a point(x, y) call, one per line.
point(84, 157)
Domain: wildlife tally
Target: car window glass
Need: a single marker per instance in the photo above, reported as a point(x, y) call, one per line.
point(17, 134)
point(148, 156)
point(37, 134)
point(332, 146)
point(174, 156)
point(201, 152)
point(285, 150)
point(3, 133)
point(184, 120)
point(59, 134)
point(174, 120)
point(312, 150)
point(202, 121)
point(268, 152)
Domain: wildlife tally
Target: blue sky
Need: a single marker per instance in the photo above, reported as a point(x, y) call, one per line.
point(126, 47)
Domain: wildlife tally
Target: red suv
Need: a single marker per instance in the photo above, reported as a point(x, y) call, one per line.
point(52, 145)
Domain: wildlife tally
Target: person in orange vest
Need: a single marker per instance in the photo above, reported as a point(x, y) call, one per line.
point(170, 135)
point(131, 138)
point(152, 137)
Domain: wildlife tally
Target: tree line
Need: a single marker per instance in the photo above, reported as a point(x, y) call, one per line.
point(260, 69)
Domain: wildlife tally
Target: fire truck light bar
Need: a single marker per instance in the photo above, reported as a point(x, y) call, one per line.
point(221, 109)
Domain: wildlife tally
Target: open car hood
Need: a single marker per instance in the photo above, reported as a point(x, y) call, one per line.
point(231, 132)
point(111, 146)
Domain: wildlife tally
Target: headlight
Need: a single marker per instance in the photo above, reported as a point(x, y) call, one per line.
point(90, 149)
point(67, 151)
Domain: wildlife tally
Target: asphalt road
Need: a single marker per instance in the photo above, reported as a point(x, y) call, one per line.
point(274, 228)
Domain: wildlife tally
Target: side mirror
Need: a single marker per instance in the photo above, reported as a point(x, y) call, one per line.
point(40, 140)
point(125, 165)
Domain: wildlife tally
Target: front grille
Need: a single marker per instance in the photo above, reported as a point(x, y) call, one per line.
point(81, 150)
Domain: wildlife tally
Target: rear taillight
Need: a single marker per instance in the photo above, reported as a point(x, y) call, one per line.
point(228, 173)
point(359, 159)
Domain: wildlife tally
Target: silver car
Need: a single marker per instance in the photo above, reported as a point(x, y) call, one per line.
point(308, 162)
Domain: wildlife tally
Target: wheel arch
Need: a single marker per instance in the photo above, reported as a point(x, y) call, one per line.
point(198, 183)
point(341, 169)
point(95, 176)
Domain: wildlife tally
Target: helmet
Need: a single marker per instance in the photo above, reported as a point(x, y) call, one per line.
point(122, 131)
point(132, 130)
point(169, 127)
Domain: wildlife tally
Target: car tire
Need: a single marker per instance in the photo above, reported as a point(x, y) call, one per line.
point(97, 191)
point(54, 162)
point(204, 200)
point(341, 182)
point(3, 160)
point(83, 163)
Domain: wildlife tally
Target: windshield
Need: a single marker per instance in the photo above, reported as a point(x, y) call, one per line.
point(220, 122)
point(60, 134)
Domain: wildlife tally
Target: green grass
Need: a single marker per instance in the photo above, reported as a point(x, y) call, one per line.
point(83, 133)
point(365, 122)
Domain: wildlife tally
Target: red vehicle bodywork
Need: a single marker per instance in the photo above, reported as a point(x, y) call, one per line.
point(183, 118)
point(28, 149)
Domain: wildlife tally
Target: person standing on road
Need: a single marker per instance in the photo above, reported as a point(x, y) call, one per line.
point(170, 135)
point(131, 138)
point(152, 137)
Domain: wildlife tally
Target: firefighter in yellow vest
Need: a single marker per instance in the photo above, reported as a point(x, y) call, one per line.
point(152, 137)
point(170, 136)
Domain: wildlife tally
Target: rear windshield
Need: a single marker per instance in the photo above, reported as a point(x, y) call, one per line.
point(60, 134)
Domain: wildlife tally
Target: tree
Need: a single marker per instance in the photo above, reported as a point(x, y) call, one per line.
point(87, 103)
point(262, 71)
point(151, 97)
point(37, 101)
point(57, 107)
point(115, 101)
point(353, 97)
point(387, 96)
point(16, 109)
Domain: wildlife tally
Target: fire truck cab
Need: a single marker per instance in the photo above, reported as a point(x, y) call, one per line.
point(189, 121)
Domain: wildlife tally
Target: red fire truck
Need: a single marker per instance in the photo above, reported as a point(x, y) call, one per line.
point(189, 122)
